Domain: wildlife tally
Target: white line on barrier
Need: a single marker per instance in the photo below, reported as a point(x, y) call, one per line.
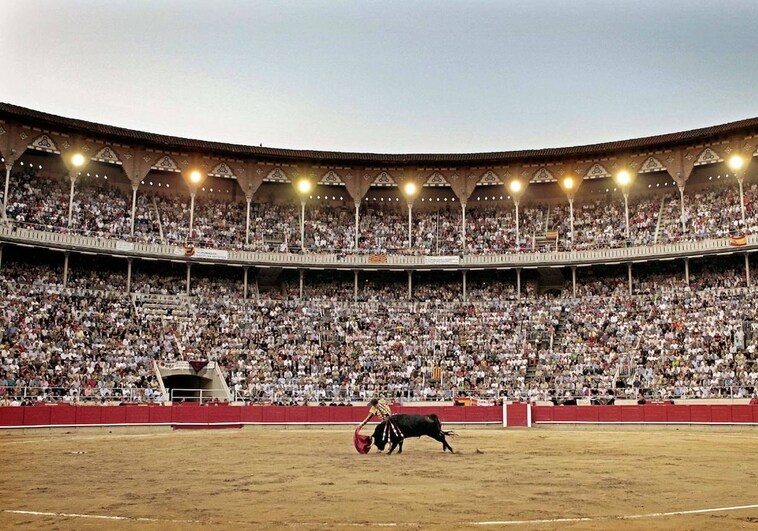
point(402, 524)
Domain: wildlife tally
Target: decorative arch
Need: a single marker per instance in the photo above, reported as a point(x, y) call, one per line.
point(543, 175)
point(651, 164)
point(707, 156)
point(488, 178)
point(384, 179)
point(222, 169)
point(597, 171)
point(331, 178)
point(436, 180)
point(44, 143)
point(277, 175)
point(166, 163)
point(106, 154)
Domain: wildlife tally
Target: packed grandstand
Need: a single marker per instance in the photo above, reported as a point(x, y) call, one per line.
point(337, 292)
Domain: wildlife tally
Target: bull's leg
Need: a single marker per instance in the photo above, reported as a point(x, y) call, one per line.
point(393, 444)
point(400, 446)
point(441, 438)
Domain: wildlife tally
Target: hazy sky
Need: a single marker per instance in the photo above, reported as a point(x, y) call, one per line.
point(386, 76)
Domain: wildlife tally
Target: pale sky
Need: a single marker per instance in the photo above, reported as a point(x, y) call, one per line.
point(386, 76)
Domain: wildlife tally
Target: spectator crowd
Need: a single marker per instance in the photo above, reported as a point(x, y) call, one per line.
point(103, 209)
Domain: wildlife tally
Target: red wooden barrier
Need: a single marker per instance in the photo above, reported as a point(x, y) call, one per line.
point(519, 414)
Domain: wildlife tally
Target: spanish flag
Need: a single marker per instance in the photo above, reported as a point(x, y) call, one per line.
point(377, 259)
point(738, 241)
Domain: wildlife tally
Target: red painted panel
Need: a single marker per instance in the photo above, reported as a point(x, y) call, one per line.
point(455, 414)
point(160, 414)
point(296, 414)
point(11, 416)
point(655, 413)
point(701, 413)
point(587, 413)
point(138, 414)
point(565, 413)
point(517, 415)
point(609, 413)
point(224, 413)
point(542, 413)
point(632, 413)
point(755, 413)
point(63, 415)
point(113, 415)
point(475, 414)
point(189, 414)
point(342, 414)
point(678, 413)
point(251, 413)
point(37, 415)
point(272, 413)
point(735, 413)
point(89, 414)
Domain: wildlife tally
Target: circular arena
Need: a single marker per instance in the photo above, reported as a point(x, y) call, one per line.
point(190, 332)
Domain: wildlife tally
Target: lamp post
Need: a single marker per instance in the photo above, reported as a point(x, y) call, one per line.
point(410, 189)
point(78, 161)
point(624, 179)
point(8, 167)
point(568, 184)
point(304, 187)
point(357, 214)
point(735, 164)
point(515, 188)
point(195, 178)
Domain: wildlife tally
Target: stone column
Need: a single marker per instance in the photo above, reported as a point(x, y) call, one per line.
point(65, 269)
point(629, 272)
point(129, 274)
point(189, 278)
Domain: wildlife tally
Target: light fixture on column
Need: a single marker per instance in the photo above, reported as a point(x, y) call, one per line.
point(624, 179)
point(304, 186)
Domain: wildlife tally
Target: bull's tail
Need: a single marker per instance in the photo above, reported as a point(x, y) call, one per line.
point(438, 424)
point(448, 433)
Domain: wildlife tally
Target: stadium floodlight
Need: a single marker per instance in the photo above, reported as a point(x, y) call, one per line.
point(304, 186)
point(78, 160)
point(515, 186)
point(623, 178)
point(410, 189)
point(736, 162)
point(196, 176)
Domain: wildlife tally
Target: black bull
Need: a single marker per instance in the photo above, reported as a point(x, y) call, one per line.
point(409, 426)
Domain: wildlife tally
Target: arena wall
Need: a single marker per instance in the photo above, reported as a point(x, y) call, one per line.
point(516, 415)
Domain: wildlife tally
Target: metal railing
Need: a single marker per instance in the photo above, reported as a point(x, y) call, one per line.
point(296, 395)
point(197, 396)
point(556, 259)
point(78, 395)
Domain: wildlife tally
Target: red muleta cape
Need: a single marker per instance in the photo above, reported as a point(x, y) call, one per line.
point(362, 442)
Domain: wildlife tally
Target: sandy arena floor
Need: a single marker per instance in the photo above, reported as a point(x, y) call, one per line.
point(314, 479)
